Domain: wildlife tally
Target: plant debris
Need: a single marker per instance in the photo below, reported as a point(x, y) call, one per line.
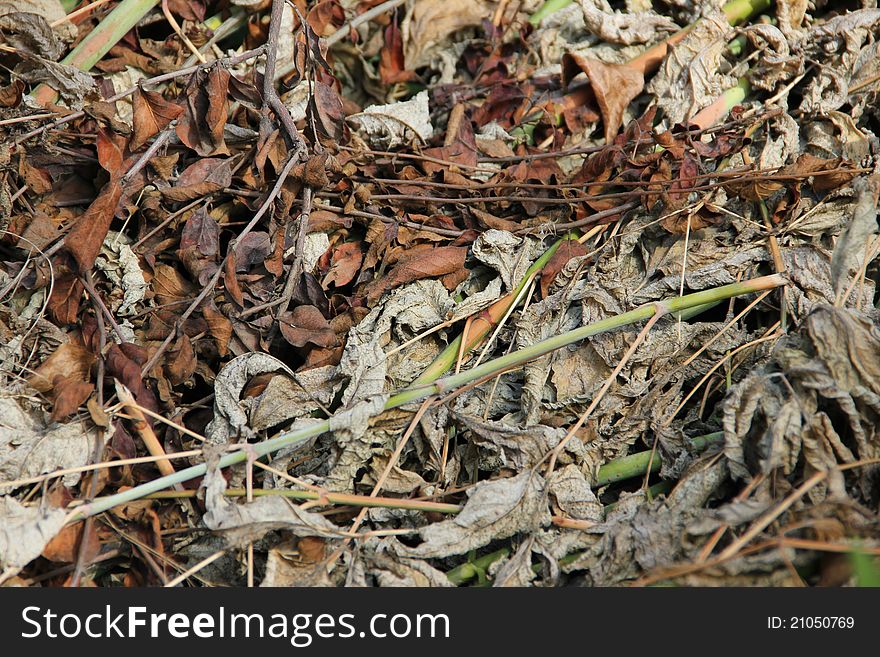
point(438, 293)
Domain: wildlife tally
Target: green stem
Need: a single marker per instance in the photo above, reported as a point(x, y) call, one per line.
point(443, 385)
point(471, 569)
point(549, 7)
point(446, 359)
point(636, 464)
point(99, 41)
point(736, 11)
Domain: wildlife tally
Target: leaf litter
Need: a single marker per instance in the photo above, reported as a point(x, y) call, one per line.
point(259, 246)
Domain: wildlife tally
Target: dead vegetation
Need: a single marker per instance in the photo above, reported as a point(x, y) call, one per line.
point(438, 292)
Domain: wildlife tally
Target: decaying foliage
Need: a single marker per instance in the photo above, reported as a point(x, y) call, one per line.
point(278, 214)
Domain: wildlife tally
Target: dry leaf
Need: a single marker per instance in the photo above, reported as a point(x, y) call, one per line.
point(152, 114)
point(614, 86)
point(306, 325)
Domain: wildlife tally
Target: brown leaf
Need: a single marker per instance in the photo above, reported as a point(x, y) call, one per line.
point(65, 545)
point(684, 181)
point(504, 105)
point(614, 86)
point(306, 325)
point(204, 116)
point(823, 171)
point(152, 113)
point(68, 360)
point(10, 95)
point(245, 93)
point(68, 395)
point(35, 178)
point(84, 240)
point(41, 231)
point(230, 281)
point(436, 262)
point(98, 415)
point(180, 364)
point(345, 263)
point(325, 16)
point(204, 177)
point(169, 285)
point(252, 250)
point(327, 106)
point(189, 10)
point(318, 357)
point(65, 299)
point(459, 146)
point(392, 67)
point(201, 232)
point(491, 221)
point(274, 264)
point(312, 549)
point(314, 173)
point(218, 325)
point(680, 223)
point(109, 146)
point(124, 362)
point(567, 250)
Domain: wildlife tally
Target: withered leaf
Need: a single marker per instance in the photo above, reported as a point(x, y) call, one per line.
point(313, 172)
point(190, 10)
point(169, 285)
point(180, 363)
point(345, 263)
point(219, 326)
point(35, 178)
point(204, 116)
point(65, 298)
point(614, 85)
point(109, 146)
point(84, 240)
point(392, 67)
point(65, 546)
point(252, 250)
point(202, 232)
point(124, 362)
point(29, 32)
point(68, 360)
point(10, 94)
point(327, 106)
point(440, 261)
point(204, 177)
point(230, 281)
point(152, 114)
point(567, 250)
point(68, 394)
point(306, 325)
point(824, 172)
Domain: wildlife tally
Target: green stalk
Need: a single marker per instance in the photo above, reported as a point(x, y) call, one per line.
point(443, 385)
point(471, 569)
point(636, 464)
point(68, 5)
point(530, 353)
point(446, 359)
point(549, 7)
point(722, 105)
point(736, 11)
point(99, 41)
